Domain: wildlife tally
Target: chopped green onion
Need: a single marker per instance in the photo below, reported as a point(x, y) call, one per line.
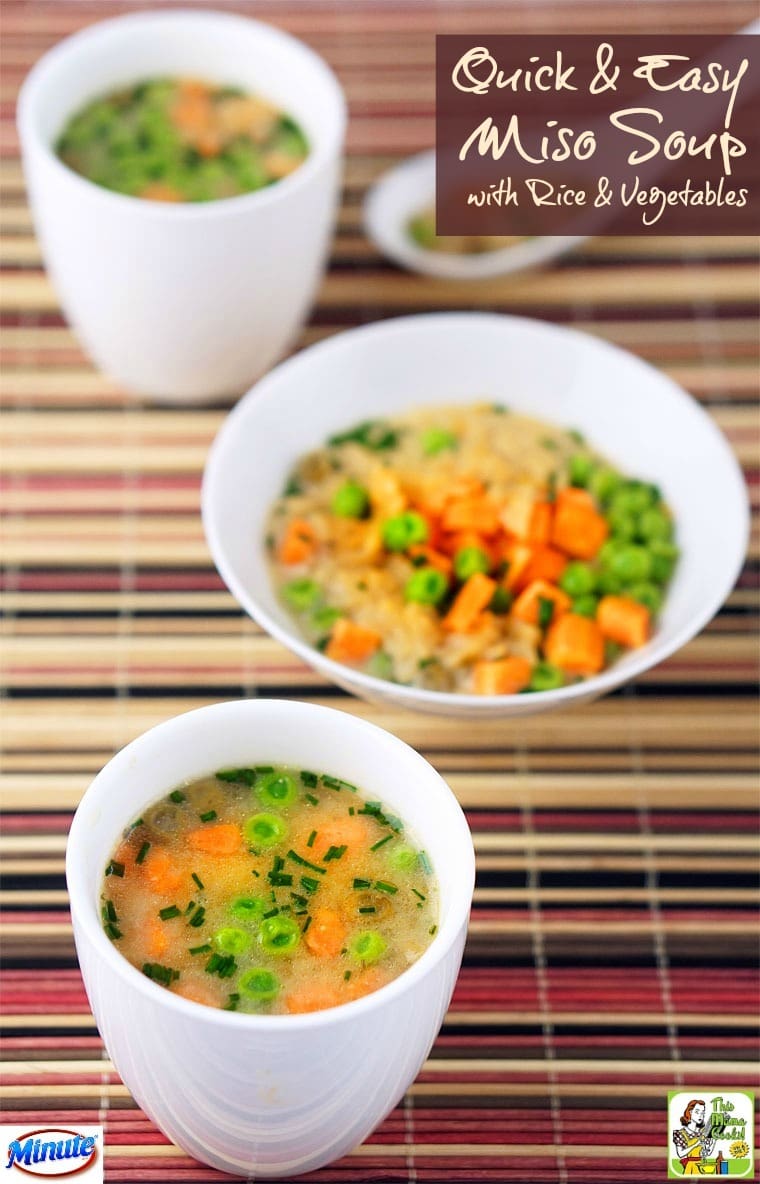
point(204, 949)
point(337, 783)
point(143, 852)
point(433, 929)
point(362, 883)
point(419, 894)
point(309, 884)
point(208, 816)
point(346, 975)
point(115, 869)
point(309, 797)
point(223, 965)
point(368, 909)
point(198, 917)
point(112, 931)
point(246, 776)
point(311, 838)
point(381, 842)
point(426, 864)
point(334, 853)
point(232, 1002)
point(169, 912)
point(304, 862)
point(159, 973)
point(197, 879)
point(384, 886)
point(176, 795)
point(309, 779)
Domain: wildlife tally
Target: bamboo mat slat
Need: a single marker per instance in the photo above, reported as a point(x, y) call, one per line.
point(610, 954)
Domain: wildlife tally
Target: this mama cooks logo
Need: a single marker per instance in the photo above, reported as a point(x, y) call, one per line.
point(53, 1151)
point(710, 1133)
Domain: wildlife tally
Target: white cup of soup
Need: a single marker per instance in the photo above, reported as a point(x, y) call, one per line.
point(268, 1094)
point(183, 301)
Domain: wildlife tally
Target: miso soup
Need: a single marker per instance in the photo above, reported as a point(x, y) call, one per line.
point(269, 889)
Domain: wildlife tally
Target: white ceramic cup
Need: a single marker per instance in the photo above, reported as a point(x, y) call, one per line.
point(186, 301)
point(268, 1095)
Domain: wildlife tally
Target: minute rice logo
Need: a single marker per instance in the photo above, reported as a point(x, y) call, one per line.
point(52, 1151)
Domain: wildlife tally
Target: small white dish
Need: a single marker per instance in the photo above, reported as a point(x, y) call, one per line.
point(259, 1095)
point(628, 411)
point(409, 188)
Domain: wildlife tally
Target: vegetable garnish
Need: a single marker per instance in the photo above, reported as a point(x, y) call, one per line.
point(381, 842)
point(198, 917)
point(159, 973)
point(259, 984)
point(311, 780)
point(232, 1002)
point(276, 876)
point(208, 816)
point(311, 838)
point(246, 776)
point(304, 862)
point(427, 867)
point(142, 852)
point(168, 913)
point(309, 797)
point(358, 883)
point(337, 783)
point(114, 868)
point(334, 853)
point(197, 879)
point(223, 965)
point(204, 949)
point(419, 894)
point(384, 886)
point(176, 796)
point(309, 883)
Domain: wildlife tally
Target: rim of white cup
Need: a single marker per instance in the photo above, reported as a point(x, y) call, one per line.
point(320, 151)
point(84, 905)
point(656, 651)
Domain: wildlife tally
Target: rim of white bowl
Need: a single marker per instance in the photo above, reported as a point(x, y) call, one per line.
point(638, 661)
point(319, 152)
point(84, 904)
point(390, 237)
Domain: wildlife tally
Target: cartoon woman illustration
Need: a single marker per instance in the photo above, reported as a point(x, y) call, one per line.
point(694, 1142)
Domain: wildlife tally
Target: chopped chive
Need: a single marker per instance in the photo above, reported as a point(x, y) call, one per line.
point(346, 975)
point(109, 912)
point(351, 811)
point(143, 852)
point(311, 838)
point(115, 868)
point(334, 853)
point(169, 912)
point(419, 894)
point(433, 929)
point(311, 780)
point(159, 973)
point(271, 913)
point(368, 909)
point(204, 949)
point(198, 917)
point(232, 1002)
point(301, 901)
point(309, 797)
point(384, 886)
point(197, 879)
point(112, 931)
point(222, 965)
point(309, 884)
point(264, 768)
point(306, 926)
point(304, 862)
point(425, 862)
point(255, 873)
point(246, 776)
point(337, 783)
point(209, 816)
point(176, 795)
point(381, 842)
point(362, 883)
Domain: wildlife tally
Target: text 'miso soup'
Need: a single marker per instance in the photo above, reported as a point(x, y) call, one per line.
point(181, 140)
point(269, 889)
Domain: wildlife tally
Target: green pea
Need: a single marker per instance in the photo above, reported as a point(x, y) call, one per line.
point(301, 594)
point(405, 530)
point(648, 594)
point(469, 560)
point(603, 483)
point(655, 524)
point(427, 585)
point(368, 946)
point(380, 665)
point(577, 579)
point(585, 606)
point(279, 935)
point(623, 525)
point(580, 469)
point(264, 830)
point(231, 941)
point(664, 558)
point(608, 584)
point(403, 859)
point(259, 984)
point(248, 908)
point(436, 440)
point(546, 677)
point(633, 497)
point(323, 618)
point(631, 564)
point(277, 790)
point(350, 501)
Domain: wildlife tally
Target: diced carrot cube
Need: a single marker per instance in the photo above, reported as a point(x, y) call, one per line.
point(624, 620)
point(545, 563)
point(222, 839)
point(160, 872)
point(504, 676)
point(478, 514)
point(578, 528)
point(527, 607)
point(473, 597)
point(350, 642)
point(575, 644)
point(326, 934)
point(541, 523)
point(298, 543)
point(518, 557)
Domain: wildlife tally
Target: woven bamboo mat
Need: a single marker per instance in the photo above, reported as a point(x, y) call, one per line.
point(611, 952)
